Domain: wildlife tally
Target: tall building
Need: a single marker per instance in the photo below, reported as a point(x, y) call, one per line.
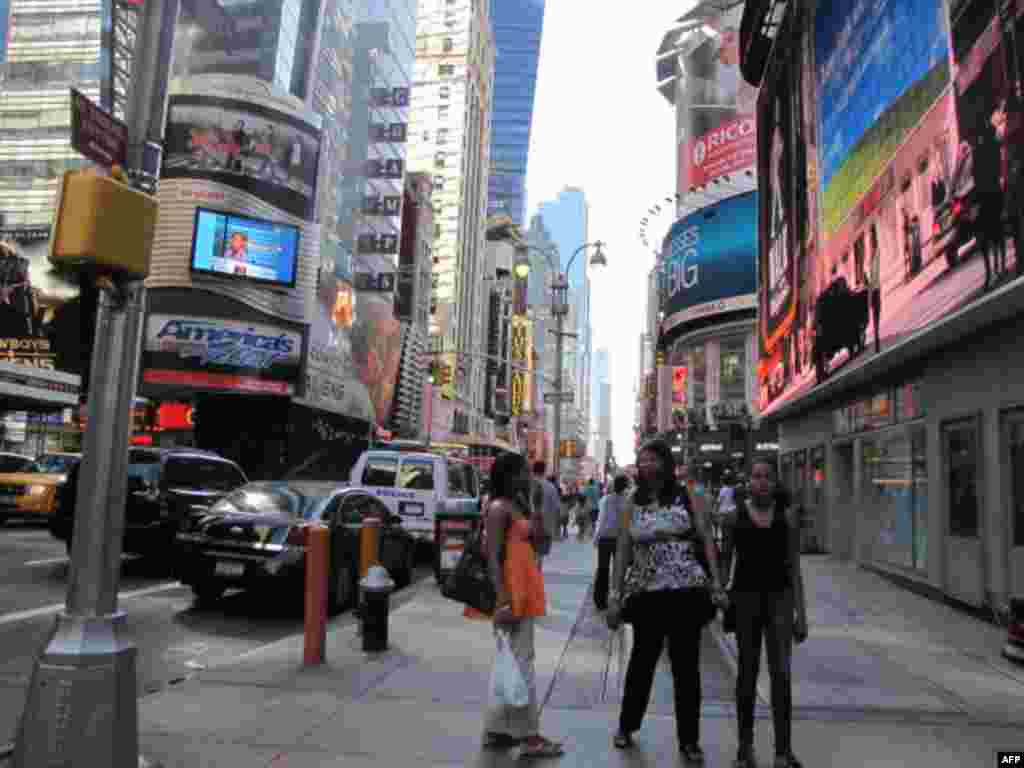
point(450, 132)
point(703, 307)
point(566, 218)
point(601, 416)
point(518, 25)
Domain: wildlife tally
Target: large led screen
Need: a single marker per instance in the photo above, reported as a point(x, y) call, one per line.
point(248, 146)
point(227, 244)
point(711, 266)
point(907, 204)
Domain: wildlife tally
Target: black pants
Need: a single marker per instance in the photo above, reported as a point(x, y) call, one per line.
point(767, 615)
point(605, 553)
point(876, 313)
point(658, 616)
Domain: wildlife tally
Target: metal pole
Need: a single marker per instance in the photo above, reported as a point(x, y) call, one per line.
point(430, 411)
point(82, 703)
point(559, 321)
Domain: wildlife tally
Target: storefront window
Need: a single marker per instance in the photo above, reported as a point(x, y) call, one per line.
point(919, 488)
point(818, 477)
point(699, 363)
point(1016, 450)
point(962, 479)
point(799, 478)
point(786, 470)
point(733, 369)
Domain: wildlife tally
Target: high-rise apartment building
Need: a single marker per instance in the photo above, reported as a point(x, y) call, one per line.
point(45, 48)
point(518, 25)
point(601, 414)
point(449, 132)
point(567, 220)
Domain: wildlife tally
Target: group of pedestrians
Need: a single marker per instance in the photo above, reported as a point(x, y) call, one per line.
point(666, 582)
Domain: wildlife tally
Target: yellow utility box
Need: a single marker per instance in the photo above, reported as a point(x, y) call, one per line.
point(104, 224)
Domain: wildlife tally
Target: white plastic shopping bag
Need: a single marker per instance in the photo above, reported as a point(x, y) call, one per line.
point(508, 686)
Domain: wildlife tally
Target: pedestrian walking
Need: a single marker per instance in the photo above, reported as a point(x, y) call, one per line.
point(769, 602)
point(547, 502)
point(510, 536)
point(580, 515)
point(606, 538)
point(666, 592)
point(592, 496)
point(566, 506)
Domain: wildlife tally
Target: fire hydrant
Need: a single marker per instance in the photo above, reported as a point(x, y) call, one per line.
point(377, 587)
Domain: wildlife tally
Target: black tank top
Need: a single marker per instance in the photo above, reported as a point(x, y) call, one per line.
point(762, 554)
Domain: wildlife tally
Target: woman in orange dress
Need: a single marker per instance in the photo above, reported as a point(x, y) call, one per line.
point(511, 528)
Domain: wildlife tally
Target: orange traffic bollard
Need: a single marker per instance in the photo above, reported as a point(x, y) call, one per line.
point(369, 545)
point(318, 554)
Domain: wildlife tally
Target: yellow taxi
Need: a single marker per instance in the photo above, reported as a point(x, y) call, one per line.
point(32, 492)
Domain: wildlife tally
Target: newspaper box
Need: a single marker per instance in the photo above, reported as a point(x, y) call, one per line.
point(451, 529)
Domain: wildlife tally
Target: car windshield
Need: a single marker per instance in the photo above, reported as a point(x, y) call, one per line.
point(14, 463)
point(52, 464)
point(202, 473)
point(293, 500)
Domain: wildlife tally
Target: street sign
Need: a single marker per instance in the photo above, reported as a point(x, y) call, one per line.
point(99, 136)
point(558, 397)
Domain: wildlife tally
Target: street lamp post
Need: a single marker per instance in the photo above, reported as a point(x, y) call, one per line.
point(559, 309)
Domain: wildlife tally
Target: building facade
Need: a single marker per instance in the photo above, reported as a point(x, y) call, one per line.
point(518, 26)
point(567, 220)
point(601, 417)
point(707, 265)
point(888, 333)
point(450, 139)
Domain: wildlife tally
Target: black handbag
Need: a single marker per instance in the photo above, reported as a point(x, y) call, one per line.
point(470, 583)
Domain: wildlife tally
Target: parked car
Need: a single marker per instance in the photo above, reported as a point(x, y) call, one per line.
point(1014, 648)
point(168, 488)
point(415, 485)
point(31, 488)
point(254, 538)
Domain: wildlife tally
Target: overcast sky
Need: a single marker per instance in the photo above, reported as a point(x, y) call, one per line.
point(599, 123)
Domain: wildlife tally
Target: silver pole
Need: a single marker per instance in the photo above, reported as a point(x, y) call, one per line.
point(82, 703)
point(559, 324)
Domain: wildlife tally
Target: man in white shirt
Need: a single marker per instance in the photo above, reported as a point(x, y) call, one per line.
point(547, 498)
point(606, 537)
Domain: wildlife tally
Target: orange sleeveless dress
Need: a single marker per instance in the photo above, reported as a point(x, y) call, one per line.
point(523, 580)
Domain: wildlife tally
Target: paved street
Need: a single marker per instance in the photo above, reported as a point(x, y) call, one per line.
point(175, 638)
point(886, 679)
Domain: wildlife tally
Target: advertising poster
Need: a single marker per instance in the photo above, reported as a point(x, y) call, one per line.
point(679, 383)
point(253, 148)
point(720, 138)
point(218, 354)
point(916, 183)
point(712, 264)
point(40, 313)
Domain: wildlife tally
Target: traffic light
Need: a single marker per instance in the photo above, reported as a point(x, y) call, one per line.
point(660, 357)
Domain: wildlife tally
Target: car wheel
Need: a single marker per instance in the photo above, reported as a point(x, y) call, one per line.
point(343, 589)
point(207, 592)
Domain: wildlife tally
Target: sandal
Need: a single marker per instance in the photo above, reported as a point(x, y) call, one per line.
point(623, 740)
point(693, 754)
point(542, 748)
point(500, 741)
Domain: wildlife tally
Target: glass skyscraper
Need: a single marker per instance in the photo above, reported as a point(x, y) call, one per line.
point(517, 34)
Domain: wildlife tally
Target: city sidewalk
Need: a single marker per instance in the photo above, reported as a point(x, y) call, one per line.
point(900, 679)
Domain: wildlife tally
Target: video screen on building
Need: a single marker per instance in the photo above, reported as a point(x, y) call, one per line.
point(902, 130)
point(226, 244)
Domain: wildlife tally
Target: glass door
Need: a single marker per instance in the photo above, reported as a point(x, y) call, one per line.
point(964, 571)
point(1013, 431)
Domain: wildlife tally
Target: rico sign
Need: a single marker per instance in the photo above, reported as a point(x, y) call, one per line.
point(730, 148)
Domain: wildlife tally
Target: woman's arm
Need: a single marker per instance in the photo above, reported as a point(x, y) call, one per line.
point(799, 595)
point(623, 548)
point(497, 524)
point(702, 521)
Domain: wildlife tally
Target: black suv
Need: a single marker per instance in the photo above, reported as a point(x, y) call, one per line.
point(167, 488)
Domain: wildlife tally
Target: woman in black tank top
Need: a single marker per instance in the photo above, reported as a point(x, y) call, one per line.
point(768, 594)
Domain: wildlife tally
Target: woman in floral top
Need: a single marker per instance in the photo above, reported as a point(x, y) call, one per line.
point(666, 592)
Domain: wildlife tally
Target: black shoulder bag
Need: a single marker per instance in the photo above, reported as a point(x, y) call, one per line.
point(470, 583)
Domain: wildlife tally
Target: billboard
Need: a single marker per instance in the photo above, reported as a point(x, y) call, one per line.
point(912, 199)
point(226, 244)
point(218, 354)
point(251, 147)
point(716, 115)
point(679, 384)
point(711, 266)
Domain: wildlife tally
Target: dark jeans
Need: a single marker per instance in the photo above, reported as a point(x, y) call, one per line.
point(768, 615)
point(658, 616)
point(605, 553)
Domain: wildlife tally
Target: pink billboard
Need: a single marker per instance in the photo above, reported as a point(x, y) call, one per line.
point(728, 149)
